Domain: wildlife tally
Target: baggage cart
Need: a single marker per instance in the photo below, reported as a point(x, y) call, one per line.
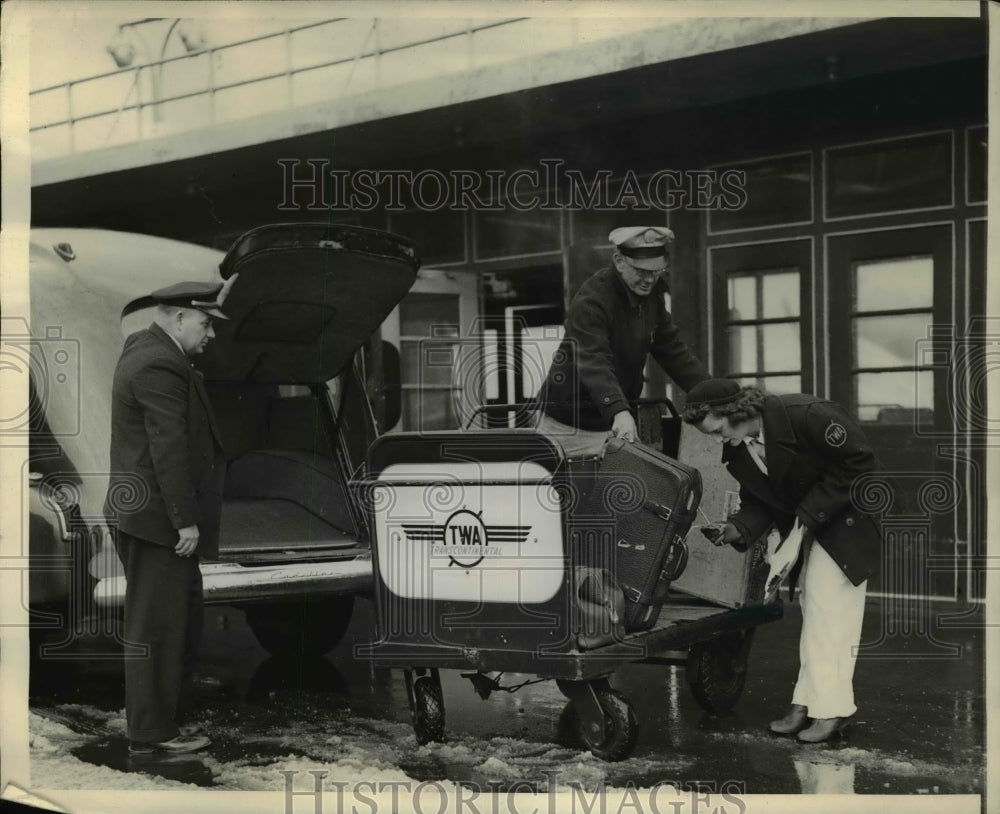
point(482, 551)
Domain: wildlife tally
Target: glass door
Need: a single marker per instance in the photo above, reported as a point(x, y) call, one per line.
point(889, 304)
point(431, 328)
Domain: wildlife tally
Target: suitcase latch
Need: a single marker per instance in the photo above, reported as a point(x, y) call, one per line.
point(330, 244)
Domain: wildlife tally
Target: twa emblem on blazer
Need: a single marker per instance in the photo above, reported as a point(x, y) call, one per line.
point(836, 435)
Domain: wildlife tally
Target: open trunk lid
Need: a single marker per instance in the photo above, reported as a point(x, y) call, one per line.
point(307, 297)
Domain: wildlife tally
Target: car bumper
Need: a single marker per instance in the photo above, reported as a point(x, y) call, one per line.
point(229, 583)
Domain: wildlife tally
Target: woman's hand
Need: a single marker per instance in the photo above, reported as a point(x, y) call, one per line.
point(720, 534)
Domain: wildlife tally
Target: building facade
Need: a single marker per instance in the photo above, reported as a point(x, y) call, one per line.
point(826, 185)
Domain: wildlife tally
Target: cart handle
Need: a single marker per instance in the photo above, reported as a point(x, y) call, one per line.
point(533, 405)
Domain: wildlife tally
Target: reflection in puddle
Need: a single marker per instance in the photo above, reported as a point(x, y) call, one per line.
point(309, 674)
point(824, 778)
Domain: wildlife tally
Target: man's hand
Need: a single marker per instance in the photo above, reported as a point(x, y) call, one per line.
point(188, 541)
point(624, 427)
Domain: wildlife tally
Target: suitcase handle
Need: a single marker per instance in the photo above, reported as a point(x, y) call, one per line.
point(676, 560)
point(601, 607)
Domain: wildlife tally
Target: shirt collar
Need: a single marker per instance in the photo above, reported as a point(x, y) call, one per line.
point(159, 331)
point(180, 347)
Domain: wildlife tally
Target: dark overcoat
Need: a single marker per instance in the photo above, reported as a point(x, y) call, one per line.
point(166, 463)
point(814, 452)
point(610, 332)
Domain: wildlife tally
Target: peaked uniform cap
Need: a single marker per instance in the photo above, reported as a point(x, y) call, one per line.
point(644, 246)
point(205, 297)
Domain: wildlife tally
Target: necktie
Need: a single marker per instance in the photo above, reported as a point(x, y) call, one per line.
point(756, 450)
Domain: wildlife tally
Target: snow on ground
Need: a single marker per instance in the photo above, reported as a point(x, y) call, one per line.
point(270, 749)
point(248, 759)
point(247, 776)
point(53, 767)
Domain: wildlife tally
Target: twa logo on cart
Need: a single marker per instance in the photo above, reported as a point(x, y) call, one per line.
point(465, 540)
point(469, 531)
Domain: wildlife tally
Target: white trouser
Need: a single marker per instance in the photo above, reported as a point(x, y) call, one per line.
point(576, 443)
point(832, 612)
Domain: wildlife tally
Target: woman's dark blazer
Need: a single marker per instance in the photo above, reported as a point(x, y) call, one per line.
point(814, 453)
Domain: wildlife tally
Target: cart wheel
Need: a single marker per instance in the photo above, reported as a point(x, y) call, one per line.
point(428, 710)
point(621, 730)
point(717, 671)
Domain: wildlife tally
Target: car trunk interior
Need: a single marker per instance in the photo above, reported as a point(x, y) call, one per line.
point(302, 299)
point(285, 491)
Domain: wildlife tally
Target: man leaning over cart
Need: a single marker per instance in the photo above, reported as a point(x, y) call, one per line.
point(614, 322)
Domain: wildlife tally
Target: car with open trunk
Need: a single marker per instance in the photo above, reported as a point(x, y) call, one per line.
point(300, 385)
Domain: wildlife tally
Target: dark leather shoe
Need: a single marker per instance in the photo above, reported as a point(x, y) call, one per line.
point(796, 720)
point(823, 729)
point(177, 745)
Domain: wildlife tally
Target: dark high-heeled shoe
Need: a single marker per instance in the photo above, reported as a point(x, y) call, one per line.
point(823, 729)
point(796, 720)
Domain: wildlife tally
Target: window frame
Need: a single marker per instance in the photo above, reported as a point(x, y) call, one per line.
point(729, 260)
point(843, 251)
point(826, 185)
point(742, 164)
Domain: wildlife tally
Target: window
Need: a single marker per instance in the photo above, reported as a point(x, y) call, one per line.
point(438, 236)
point(429, 338)
point(763, 329)
point(760, 296)
point(887, 288)
point(897, 175)
point(777, 191)
point(893, 308)
point(514, 233)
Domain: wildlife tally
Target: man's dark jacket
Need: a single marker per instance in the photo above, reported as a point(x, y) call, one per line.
point(814, 451)
point(166, 462)
point(610, 331)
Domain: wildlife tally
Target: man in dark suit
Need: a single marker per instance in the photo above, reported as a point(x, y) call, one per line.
point(164, 503)
point(796, 458)
point(616, 320)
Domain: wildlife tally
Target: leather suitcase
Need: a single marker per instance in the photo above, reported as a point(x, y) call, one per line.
point(648, 501)
point(720, 574)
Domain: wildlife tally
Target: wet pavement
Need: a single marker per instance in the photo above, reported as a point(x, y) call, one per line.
point(919, 728)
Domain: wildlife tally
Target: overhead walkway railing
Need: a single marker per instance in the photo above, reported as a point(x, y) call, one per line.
point(348, 61)
point(269, 73)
